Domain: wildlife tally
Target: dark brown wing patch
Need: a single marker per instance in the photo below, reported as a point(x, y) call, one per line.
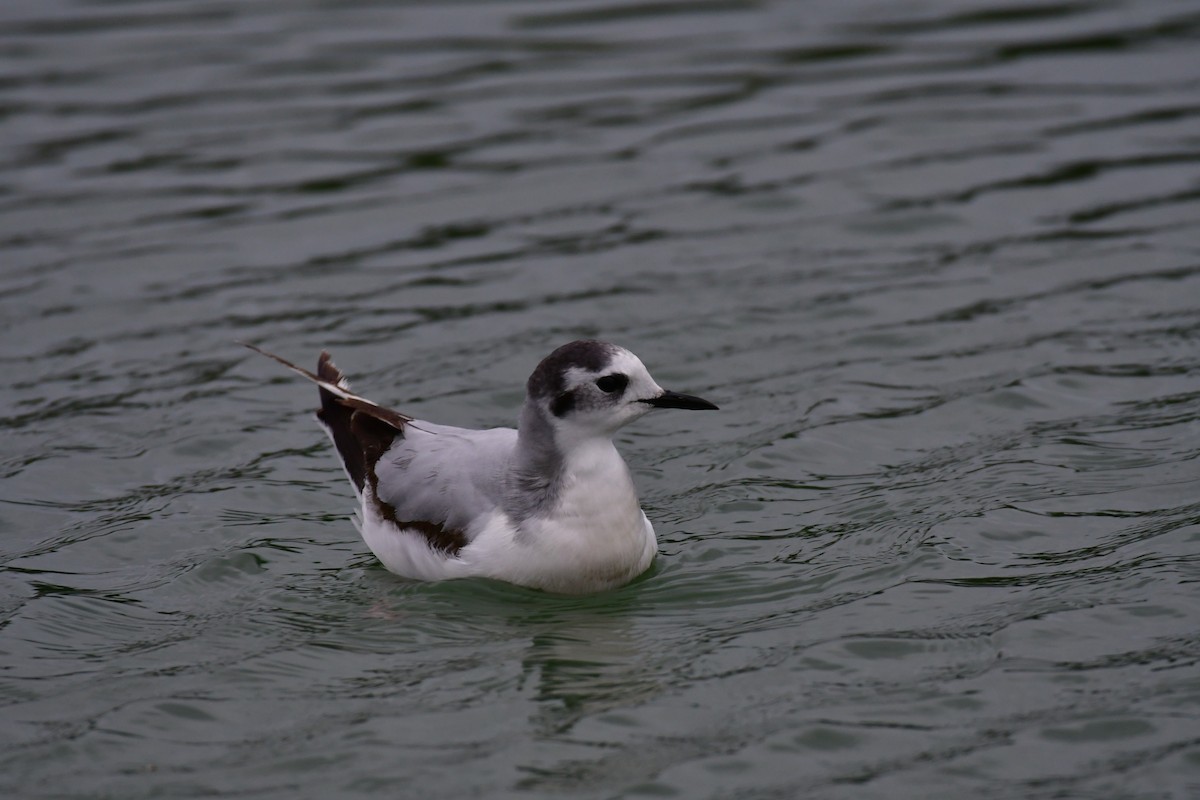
point(362, 431)
point(337, 419)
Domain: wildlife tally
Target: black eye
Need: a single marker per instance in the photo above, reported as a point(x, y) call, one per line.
point(612, 384)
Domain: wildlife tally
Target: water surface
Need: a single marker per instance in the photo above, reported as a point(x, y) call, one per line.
point(937, 261)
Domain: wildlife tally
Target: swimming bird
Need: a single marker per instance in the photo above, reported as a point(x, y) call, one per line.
point(550, 505)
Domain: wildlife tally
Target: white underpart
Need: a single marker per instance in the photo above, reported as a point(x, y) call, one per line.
point(595, 538)
point(403, 550)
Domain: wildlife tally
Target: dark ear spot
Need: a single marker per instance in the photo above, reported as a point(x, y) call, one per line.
point(563, 404)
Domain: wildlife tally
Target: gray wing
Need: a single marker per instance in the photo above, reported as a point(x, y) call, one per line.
point(445, 476)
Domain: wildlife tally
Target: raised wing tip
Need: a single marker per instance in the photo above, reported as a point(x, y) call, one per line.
point(283, 361)
point(331, 379)
point(328, 371)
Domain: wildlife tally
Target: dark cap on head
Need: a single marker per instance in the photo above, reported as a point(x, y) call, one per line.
point(588, 354)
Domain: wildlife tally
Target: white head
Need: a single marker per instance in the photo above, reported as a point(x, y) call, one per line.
point(590, 388)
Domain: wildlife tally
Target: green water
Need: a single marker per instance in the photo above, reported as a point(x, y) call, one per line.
point(937, 262)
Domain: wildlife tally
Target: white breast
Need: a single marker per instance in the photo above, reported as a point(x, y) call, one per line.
point(596, 537)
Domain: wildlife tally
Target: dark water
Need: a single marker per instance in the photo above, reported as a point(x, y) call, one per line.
point(939, 263)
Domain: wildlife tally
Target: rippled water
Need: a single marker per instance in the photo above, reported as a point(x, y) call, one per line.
point(937, 261)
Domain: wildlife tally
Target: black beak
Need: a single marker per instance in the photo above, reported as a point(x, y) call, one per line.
point(677, 400)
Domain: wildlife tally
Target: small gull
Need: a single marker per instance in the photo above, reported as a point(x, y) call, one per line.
point(550, 505)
